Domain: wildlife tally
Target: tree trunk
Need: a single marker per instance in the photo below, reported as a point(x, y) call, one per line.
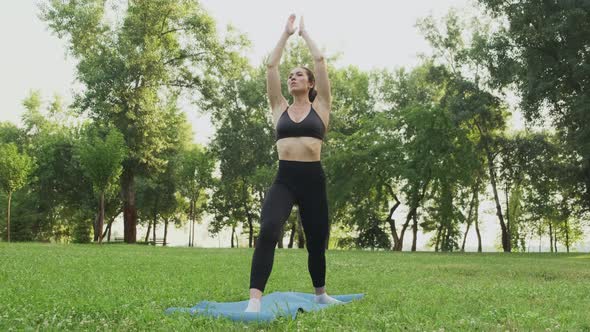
point(300, 235)
point(190, 218)
point(415, 232)
point(129, 208)
point(404, 227)
point(95, 226)
point(8, 217)
point(508, 215)
point(505, 235)
point(193, 222)
point(465, 237)
point(292, 237)
point(194, 216)
point(393, 233)
point(390, 220)
point(551, 237)
point(281, 236)
point(444, 246)
point(155, 219)
point(411, 213)
point(540, 235)
point(147, 234)
point(233, 231)
point(479, 249)
point(165, 232)
point(154, 231)
point(476, 220)
point(100, 218)
point(251, 238)
point(438, 236)
point(251, 231)
point(567, 237)
point(107, 231)
point(448, 246)
point(409, 217)
point(470, 214)
point(555, 239)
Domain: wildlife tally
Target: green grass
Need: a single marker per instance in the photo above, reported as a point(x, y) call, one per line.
point(122, 287)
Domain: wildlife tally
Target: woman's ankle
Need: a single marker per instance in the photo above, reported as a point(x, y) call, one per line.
point(320, 290)
point(255, 293)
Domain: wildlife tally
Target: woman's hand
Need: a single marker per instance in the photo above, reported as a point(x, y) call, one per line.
point(290, 27)
point(301, 27)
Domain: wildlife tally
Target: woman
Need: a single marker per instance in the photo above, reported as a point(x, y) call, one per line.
point(300, 180)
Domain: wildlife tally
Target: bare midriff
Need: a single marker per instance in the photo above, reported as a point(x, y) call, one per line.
point(299, 148)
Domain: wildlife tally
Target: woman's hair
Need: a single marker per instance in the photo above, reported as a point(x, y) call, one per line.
point(311, 78)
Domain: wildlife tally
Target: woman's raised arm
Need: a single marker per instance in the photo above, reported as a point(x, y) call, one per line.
point(322, 82)
point(273, 79)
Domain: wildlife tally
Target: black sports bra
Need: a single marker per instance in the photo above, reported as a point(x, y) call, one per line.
point(311, 126)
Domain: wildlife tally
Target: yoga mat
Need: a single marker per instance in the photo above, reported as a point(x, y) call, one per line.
point(274, 305)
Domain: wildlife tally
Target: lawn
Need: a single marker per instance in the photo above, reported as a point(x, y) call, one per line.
point(128, 287)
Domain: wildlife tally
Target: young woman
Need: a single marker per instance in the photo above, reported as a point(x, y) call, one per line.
point(300, 129)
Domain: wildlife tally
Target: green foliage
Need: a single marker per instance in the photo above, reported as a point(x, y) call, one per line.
point(373, 236)
point(515, 212)
point(194, 177)
point(127, 65)
point(61, 195)
point(135, 59)
point(543, 51)
point(15, 168)
point(101, 155)
point(81, 232)
point(244, 146)
point(195, 168)
point(10, 133)
point(58, 195)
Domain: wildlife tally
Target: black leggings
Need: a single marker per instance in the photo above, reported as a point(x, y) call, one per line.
point(302, 183)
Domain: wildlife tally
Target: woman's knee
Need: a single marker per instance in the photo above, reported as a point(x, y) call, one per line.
point(268, 236)
point(317, 247)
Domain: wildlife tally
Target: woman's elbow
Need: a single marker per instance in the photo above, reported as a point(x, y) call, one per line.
point(271, 64)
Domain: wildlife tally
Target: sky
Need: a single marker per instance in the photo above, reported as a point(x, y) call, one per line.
point(368, 34)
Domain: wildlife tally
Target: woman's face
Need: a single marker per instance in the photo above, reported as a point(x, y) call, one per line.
point(298, 81)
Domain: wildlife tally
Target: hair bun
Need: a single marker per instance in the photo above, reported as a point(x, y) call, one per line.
point(312, 94)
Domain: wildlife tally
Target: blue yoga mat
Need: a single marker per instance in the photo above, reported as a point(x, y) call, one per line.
point(274, 305)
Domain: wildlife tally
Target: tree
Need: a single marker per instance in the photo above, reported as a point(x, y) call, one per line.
point(14, 170)
point(469, 94)
point(550, 191)
point(541, 48)
point(10, 133)
point(244, 146)
point(59, 198)
point(101, 159)
point(131, 66)
point(195, 175)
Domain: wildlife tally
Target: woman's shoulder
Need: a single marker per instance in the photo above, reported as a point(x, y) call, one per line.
point(278, 111)
point(322, 111)
point(320, 106)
